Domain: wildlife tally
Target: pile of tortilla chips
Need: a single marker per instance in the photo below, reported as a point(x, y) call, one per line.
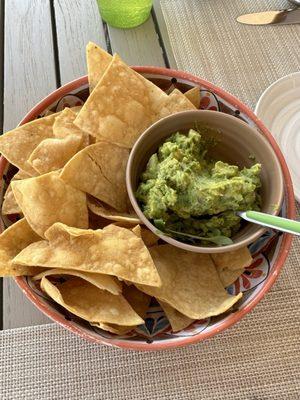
point(77, 234)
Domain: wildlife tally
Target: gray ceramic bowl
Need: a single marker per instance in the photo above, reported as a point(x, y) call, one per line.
point(236, 143)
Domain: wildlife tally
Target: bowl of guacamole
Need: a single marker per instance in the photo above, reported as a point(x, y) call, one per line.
point(190, 173)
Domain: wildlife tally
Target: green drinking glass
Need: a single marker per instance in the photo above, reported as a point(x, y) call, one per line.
point(125, 13)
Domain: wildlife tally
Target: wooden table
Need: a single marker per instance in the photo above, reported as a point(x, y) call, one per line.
point(43, 47)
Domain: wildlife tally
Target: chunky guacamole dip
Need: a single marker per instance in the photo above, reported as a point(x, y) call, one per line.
point(192, 197)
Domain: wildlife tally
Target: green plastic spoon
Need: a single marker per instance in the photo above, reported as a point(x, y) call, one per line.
point(271, 221)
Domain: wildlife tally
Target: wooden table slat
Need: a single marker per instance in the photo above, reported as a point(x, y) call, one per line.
point(29, 70)
point(29, 75)
point(77, 23)
point(137, 46)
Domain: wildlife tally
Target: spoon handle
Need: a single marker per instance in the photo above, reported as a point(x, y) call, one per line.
point(282, 224)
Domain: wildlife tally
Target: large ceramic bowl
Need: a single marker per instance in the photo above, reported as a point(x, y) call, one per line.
point(269, 251)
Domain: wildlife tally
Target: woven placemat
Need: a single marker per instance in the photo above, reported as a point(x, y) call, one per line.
point(244, 60)
point(258, 359)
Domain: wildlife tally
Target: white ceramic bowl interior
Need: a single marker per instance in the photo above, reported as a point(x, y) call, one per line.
point(279, 109)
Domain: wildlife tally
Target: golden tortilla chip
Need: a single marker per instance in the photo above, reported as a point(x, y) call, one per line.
point(10, 205)
point(194, 96)
point(91, 303)
point(20, 175)
point(176, 102)
point(122, 105)
point(149, 238)
point(190, 283)
point(53, 153)
point(12, 241)
point(17, 145)
point(229, 276)
point(177, 320)
point(64, 126)
point(128, 225)
point(114, 328)
point(47, 199)
point(236, 259)
point(103, 210)
point(76, 109)
point(97, 61)
point(104, 282)
point(99, 170)
point(47, 113)
point(138, 300)
point(112, 250)
point(136, 229)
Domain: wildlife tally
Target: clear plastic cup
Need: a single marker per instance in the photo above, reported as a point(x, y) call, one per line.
point(125, 13)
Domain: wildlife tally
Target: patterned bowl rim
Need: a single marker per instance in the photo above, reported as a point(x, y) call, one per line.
point(284, 247)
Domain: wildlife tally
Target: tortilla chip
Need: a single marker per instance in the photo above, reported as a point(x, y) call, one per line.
point(91, 303)
point(194, 96)
point(138, 300)
point(10, 205)
point(136, 230)
point(99, 170)
point(20, 175)
point(12, 241)
point(177, 320)
point(64, 126)
point(149, 238)
point(97, 61)
point(76, 109)
point(236, 259)
point(47, 199)
point(103, 210)
point(112, 250)
point(190, 283)
point(128, 225)
point(176, 102)
point(122, 105)
point(47, 113)
point(104, 282)
point(53, 153)
point(229, 276)
point(113, 328)
point(17, 145)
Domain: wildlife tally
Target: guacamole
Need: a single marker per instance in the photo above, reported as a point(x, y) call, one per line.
point(192, 197)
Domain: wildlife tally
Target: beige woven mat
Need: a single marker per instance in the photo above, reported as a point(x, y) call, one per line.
point(258, 359)
point(208, 42)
